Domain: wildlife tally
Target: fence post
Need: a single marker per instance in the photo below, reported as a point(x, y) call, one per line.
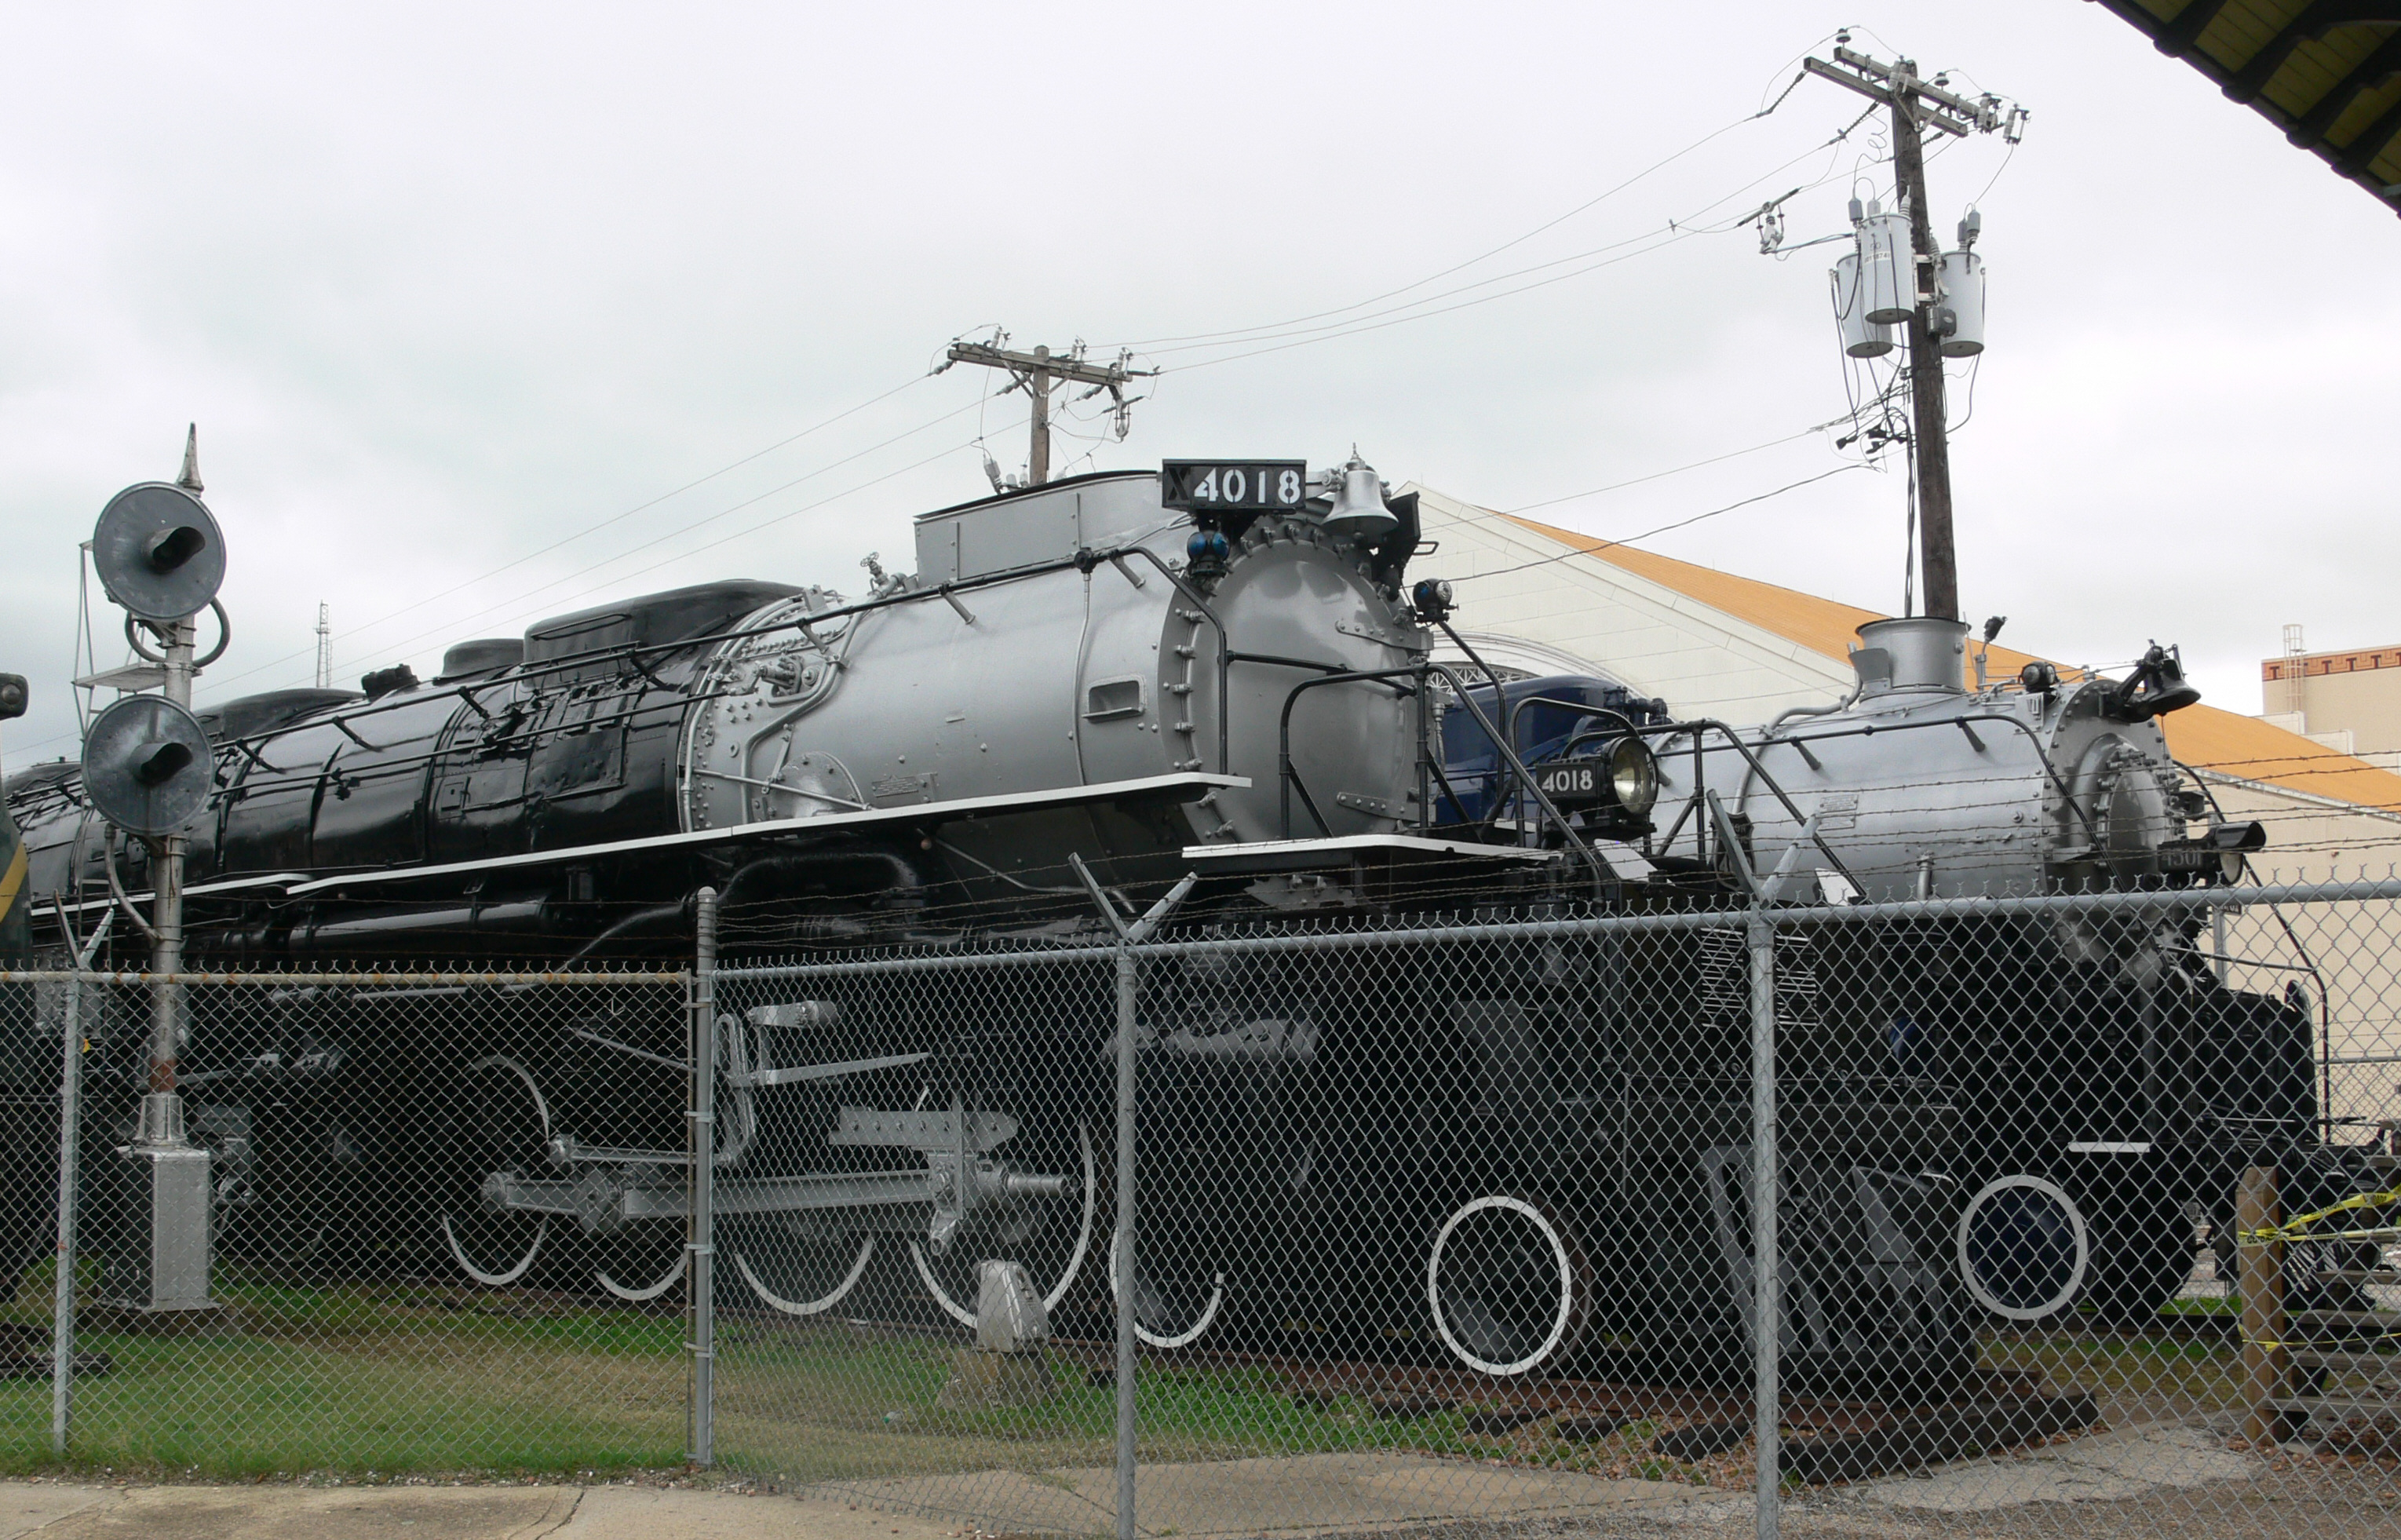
point(2267, 1363)
point(700, 1278)
point(1127, 979)
point(70, 1143)
point(1766, 1304)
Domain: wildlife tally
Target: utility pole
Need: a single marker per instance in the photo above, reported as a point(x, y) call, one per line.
point(1917, 105)
point(1037, 373)
point(325, 645)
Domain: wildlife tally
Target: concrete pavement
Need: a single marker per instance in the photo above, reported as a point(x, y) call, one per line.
point(68, 1511)
point(2139, 1480)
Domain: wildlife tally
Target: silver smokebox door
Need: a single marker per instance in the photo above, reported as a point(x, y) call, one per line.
point(1009, 1313)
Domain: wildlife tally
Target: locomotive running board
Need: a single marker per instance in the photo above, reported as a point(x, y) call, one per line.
point(1343, 849)
point(1187, 787)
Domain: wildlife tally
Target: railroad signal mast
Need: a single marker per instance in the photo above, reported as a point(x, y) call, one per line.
point(1037, 373)
point(1917, 105)
point(147, 764)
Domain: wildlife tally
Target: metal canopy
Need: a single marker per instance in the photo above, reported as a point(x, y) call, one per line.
point(2326, 72)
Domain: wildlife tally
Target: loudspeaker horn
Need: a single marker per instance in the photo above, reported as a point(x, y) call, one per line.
point(159, 551)
point(147, 766)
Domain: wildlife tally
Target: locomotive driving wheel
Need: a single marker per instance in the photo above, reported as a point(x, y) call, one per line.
point(503, 1130)
point(1173, 1302)
point(640, 1263)
point(1050, 1235)
point(805, 1262)
point(1509, 1286)
point(800, 1263)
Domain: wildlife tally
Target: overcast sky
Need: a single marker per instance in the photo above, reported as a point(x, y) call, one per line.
point(466, 300)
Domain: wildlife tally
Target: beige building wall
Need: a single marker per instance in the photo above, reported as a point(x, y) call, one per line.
point(2349, 701)
point(1514, 582)
point(2347, 954)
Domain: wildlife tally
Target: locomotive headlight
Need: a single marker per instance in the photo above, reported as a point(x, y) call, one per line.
point(1634, 776)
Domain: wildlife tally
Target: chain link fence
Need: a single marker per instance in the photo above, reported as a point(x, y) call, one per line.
point(377, 1248)
point(2075, 1209)
point(2069, 1215)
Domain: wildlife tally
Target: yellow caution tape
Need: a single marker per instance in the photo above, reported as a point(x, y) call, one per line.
point(2297, 1228)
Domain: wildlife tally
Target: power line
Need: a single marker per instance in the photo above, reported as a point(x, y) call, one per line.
point(1681, 523)
point(1656, 475)
point(1676, 230)
point(1238, 333)
point(554, 606)
point(474, 616)
point(614, 518)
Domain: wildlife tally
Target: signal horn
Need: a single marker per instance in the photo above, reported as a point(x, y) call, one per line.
point(159, 551)
point(147, 766)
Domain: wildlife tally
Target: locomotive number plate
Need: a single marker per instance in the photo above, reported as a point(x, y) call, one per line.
point(1578, 783)
point(1234, 485)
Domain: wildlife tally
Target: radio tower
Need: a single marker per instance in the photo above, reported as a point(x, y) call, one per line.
point(324, 647)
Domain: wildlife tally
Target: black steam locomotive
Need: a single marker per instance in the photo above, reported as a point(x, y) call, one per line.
point(1516, 1153)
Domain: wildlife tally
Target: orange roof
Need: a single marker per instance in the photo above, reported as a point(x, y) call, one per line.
point(2199, 736)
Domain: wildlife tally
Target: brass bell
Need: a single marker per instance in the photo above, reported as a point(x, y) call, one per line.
point(1358, 512)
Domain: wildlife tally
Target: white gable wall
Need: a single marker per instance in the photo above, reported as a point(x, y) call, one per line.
point(1700, 660)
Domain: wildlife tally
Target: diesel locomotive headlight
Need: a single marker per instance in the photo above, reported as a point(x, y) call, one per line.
point(1634, 776)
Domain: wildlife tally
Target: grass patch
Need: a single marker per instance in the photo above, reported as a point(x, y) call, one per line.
point(367, 1378)
point(2168, 1374)
point(2204, 1305)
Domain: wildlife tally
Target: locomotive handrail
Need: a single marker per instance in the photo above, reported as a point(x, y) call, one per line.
point(1867, 730)
point(1227, 654)
point(1700, 725)
point(634, 651)
point(1290, 777)
point(296, 775)
point(1509, 725)
point(1601, 878)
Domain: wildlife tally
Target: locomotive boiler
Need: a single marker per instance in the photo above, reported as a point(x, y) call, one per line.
point(1244, 690)
point(1049, 680)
